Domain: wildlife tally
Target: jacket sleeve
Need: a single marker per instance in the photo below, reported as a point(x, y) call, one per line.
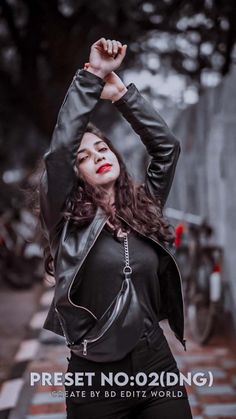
point(59, 176)
point(160, 142)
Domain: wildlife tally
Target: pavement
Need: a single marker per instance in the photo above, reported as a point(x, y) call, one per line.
point(17, 306)
point(41, 350)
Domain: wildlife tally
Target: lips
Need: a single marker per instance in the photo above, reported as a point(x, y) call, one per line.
point(104, 168)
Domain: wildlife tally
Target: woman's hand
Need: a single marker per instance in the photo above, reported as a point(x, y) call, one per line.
point(114, 88)
point(105, 57)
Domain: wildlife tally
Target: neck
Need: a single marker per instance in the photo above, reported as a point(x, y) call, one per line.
point(110, 196)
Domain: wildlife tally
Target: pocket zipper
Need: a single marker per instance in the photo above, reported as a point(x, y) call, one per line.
point(86, 341)
point(126, 274)
point(62, 328)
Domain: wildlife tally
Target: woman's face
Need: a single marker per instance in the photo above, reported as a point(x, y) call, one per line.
point(97, 164)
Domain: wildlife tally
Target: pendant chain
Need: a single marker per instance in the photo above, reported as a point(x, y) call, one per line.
point(127, 269)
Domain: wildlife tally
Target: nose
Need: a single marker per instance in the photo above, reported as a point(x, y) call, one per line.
point(98, 157)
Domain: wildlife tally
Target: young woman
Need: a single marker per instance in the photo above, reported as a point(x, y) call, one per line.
point(96, 218)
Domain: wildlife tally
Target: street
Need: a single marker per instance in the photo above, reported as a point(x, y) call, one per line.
point(41, 350)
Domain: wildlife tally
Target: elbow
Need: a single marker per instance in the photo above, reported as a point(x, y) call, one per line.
point(173, 142)
point(174, 150)
point(176, 145)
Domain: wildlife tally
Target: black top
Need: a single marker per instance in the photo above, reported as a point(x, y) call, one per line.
point(100, 277)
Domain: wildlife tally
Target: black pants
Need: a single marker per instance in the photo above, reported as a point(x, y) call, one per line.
point(136, 399)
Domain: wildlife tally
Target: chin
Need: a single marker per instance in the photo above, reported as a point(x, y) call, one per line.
point(107, 179)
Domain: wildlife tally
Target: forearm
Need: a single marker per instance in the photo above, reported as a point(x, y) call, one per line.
point(97, 72)
point(121, 91)
point(119, 87)
point(160, 142)
point(80, 100)
point(58, 180)
point(147, 122)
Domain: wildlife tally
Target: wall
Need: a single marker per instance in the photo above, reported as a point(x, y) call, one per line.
point(205, 179)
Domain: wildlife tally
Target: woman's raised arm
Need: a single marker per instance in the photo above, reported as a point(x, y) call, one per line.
point(59, 177)
point(81, 98)
point(160, 142)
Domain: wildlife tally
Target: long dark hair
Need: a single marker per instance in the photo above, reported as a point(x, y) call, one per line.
point(132, 202)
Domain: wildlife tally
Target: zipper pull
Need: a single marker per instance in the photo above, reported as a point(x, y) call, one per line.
point(84, 343)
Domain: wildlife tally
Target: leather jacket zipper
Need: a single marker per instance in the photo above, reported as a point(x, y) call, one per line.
point(62, 328)
point(86, 341)
point(126, 272)
point(77, 270)
point(82, 307)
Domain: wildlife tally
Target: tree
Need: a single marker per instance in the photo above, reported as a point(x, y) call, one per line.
point(43, 42)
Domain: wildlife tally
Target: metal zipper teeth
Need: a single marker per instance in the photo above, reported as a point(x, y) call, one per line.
point(62, 327)
point(105, 329)
point(77, 270)
point(164, 248)
point(111, 318)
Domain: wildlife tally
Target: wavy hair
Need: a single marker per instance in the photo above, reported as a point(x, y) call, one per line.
point(132, 202)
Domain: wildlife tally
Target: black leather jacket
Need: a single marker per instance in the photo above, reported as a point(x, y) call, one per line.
point(69, 245)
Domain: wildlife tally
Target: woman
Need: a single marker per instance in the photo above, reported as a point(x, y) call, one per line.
point(91, 207)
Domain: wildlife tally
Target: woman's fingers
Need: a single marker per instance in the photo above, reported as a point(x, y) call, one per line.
point(121, 55)
point(104, 43)
point(112, 47)
point(115, 47)
point(106, 55)
point(109, 46)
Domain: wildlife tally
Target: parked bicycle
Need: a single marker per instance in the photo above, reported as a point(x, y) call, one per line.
point(20, 255)
point(200, 261)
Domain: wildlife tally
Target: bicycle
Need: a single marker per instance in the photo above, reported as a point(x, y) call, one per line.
point(200, 263)
point(20, 255)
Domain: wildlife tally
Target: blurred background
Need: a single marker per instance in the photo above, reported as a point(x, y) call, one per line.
point(181, 55)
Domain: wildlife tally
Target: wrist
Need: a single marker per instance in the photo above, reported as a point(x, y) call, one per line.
point(96, 72)
point(119, 94)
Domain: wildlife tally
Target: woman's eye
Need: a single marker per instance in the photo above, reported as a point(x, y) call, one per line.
point(82, 159)
point(85, 157)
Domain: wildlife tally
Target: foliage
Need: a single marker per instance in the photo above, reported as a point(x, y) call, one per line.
point(43, 42)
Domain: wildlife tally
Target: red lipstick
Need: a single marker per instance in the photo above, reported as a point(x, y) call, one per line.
point(104, 168)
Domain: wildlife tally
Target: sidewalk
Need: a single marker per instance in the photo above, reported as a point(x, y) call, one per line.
point(47, 352)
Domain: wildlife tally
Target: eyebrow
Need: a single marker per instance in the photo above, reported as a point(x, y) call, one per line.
point(96, 143)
